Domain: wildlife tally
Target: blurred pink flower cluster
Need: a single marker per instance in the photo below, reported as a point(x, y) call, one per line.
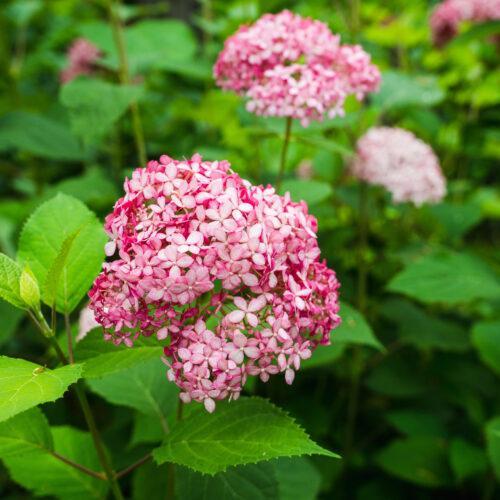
point(228, 273)
point(397, 160)
point(448, 15)
point(82, 56)
point(291, 66)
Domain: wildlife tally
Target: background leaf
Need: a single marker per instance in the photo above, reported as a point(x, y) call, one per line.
point(486, 339)
point(10, 277)
point(493, 444)
point(241, 432)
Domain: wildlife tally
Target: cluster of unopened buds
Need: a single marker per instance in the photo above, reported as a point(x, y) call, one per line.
point(449, 14)
point(82, 57)
point(290, 66)
point(225, 274)
point(397, 160)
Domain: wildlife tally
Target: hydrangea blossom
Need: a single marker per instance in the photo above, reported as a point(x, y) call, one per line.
point(82, 56)
point(397, 160)
point(226, 273)
point(448, 15)
point(287, 65)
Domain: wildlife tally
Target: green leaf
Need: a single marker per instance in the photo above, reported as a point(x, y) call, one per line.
point(151, 44)
point(146, 430)
point(399, 90)
point(324, 355)
point(481, 30)
point(486, 340)
point(297, 478)
point(419, 460)
point(55, 271)
point(43, 474)
point(311, 191)
point(447, 277)
point(150, 481)
point(10, 276)
point(143, 387)
point(246, 482)
point(43, 238)
point(237, 433)
point(95, 105)
point(493, 444)
point(27, 432)
point(425, 331)
point(354, 329)
point(24, 384)
point(416, 423)
point(28, 289)
point(38, 135)
point(467, 459)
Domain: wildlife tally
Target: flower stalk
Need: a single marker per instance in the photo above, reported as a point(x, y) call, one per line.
point(284, 152)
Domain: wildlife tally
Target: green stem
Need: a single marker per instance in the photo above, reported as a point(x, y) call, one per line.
point(134, 466)
point(119, 38)
point(284, 151)
point(99, 446)
point(69, 337)
point(81, 468)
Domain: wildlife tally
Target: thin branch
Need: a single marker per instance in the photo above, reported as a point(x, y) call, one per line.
point(81, 468)
point(69, 337)
point(133, 466)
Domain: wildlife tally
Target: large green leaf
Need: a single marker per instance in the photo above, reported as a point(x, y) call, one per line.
point(143, 387)
point(416, 422)
point(95, 105)
point(27, 432)
point(43, 474)
point(493, 444)
point(486, 339)
point(246, 482)
point(43, 239)
point(24, 384)
point(419, 460)
point(10, 277)
point(311, 191)
point(447, 277)
point(399, 90)
point(39, 136)
point(237, 433)
point(423, 330)
point(297, 478)
point(467, 459)
point(151, 44)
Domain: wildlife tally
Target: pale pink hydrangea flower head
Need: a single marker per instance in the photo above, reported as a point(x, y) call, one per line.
point(227, 274)
point(82, 56)
point(288, 65)
point(397, 160)
point(447, 16)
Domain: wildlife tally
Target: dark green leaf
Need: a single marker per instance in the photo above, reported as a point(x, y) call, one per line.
point(486, 339)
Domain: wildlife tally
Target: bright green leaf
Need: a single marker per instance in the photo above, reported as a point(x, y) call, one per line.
point(486, 339)
point(95, 105)
point(447, 277)
point(24, 384)
point(239, 432)
point(10, 276)
point(419, 460)
point(42, 240)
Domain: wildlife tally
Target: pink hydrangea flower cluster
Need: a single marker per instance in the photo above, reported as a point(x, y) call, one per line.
point(291, 66)
point(226, 273)
point(397, 160)
point(82, 56)
point(448, 15)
